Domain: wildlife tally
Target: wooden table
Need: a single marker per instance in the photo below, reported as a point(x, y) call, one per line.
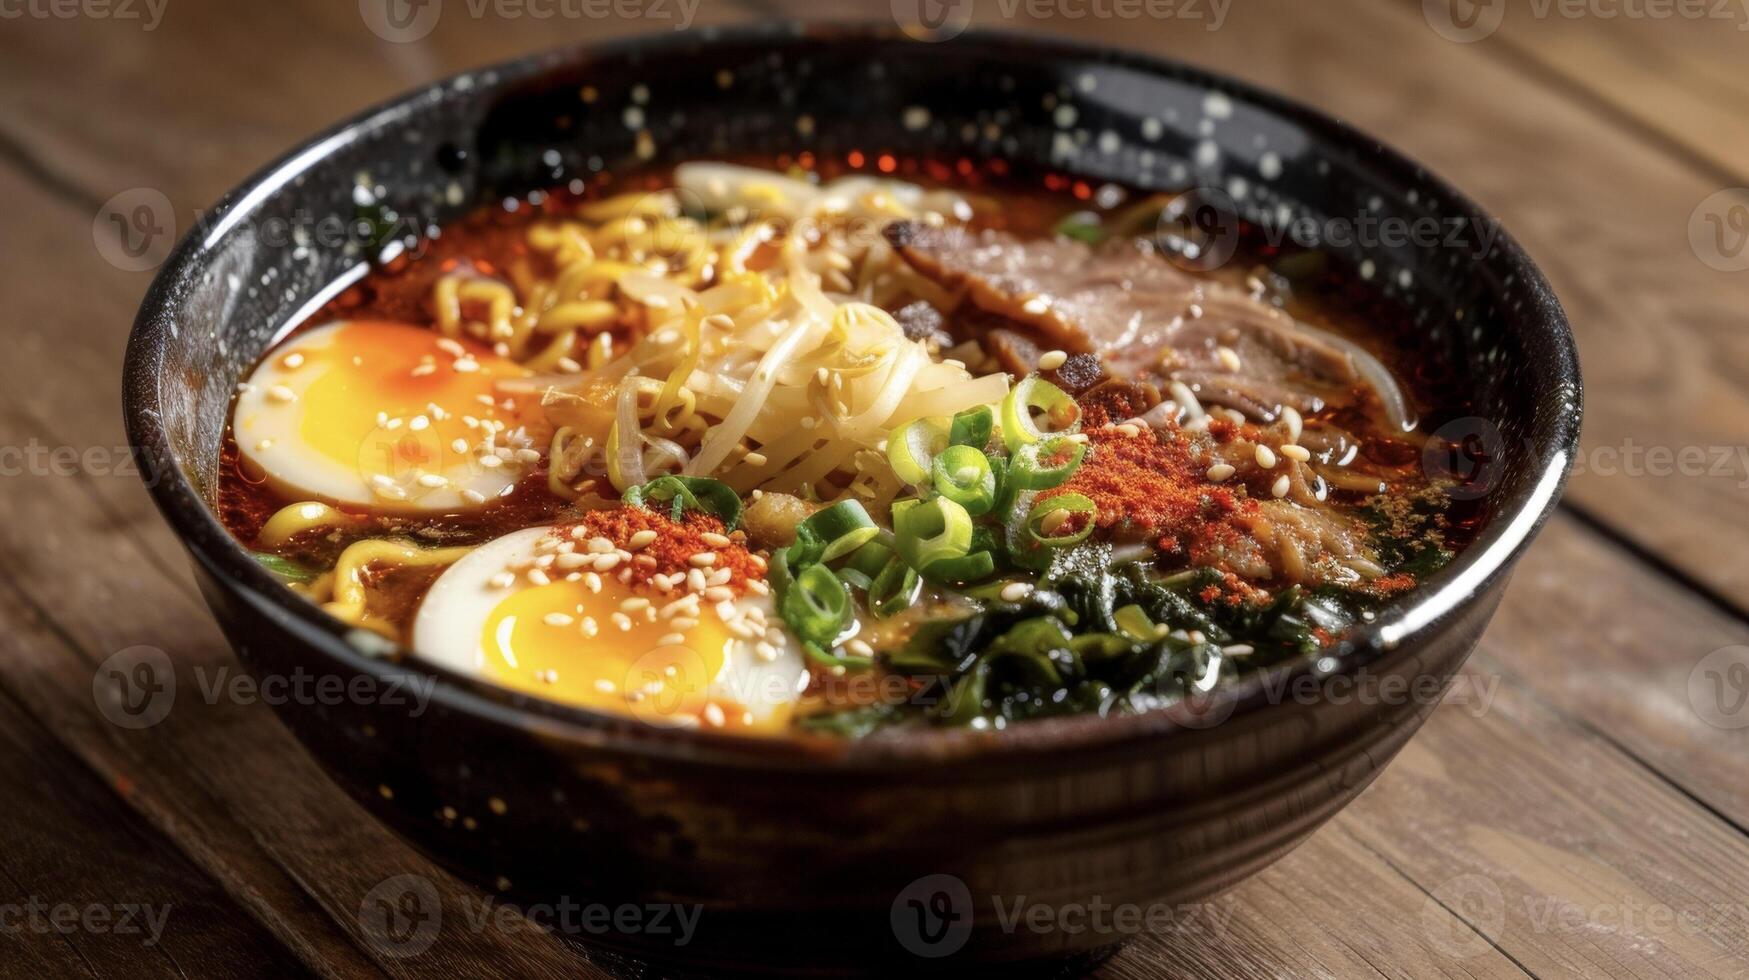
point(1577, 807)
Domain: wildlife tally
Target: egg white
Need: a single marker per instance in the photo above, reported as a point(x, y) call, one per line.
point(452, 618)
point(407, 457)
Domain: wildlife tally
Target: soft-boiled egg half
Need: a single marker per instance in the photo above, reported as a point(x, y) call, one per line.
point(542, 612)
point(387, 415)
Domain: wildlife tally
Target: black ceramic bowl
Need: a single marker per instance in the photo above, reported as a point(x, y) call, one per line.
point(827, 857)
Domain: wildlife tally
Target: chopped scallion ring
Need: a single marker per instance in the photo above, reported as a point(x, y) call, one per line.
point(1045, 464)
point(1031, 394)
point(843, 527)
point(911, 449)
point(964, 476)
point(931, 530)
point(1048, 517)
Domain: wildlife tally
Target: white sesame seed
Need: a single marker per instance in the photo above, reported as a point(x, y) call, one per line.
point(682, 622)
point(1281, 486)
point(607, 563)
point(1129, 429)
point(756, 459)
point(280, 393)
point(1228, 358)
point(574, 560)
point(473, 496)
point(502, 580)
point(1036, 305)
point(600, 545)
point(715, 540)
point(671, 640)
point(606, 686)
point(703, 559)
point(1265, 457)
point(1238, 650)
point(718, 593)
point(459, 445)
point(859, 647)
point(1052, 359)
point(633, 604)
point(622, 621)
point(557, 619)
point(589, 627)
point(713, 714)
point(765, 651)
point(419, 423)
point(538, 577)
point(641, 539)
point(491, 461)
point(1219, 472)
point(1295, 424)
point(695, 581)
point(433, 481)
point(292, 361)
point(264, 445)
point(1292, 451)
point(1016, 591)
point(466, 365)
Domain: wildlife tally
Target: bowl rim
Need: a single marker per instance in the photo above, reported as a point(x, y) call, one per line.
point(1478, 567)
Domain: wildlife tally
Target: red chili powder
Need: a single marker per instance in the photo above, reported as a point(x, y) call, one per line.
point(675, 544)
point(1149, 486)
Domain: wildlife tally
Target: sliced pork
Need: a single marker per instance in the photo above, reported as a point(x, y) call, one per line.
point(1140, 314)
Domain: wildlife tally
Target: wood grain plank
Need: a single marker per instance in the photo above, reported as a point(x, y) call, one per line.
point(86, 887)
point(1673, 70)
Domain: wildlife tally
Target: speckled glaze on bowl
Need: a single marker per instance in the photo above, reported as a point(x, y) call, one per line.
point(807, 856)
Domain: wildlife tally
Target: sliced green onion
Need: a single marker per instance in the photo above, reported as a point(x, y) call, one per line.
point(816, 605)
point(972, 427)
point(894, 589)
point(1043, 520)
point(285, 568)
point(931, 530)
point(1034, 393)
point(1133, 621)
point(1082, 226)
point(685, 493)
point(871, 559)
point(964, 476)
point(824, 657)
point(843, 527)
point(912, 447)
point(854, 578)
point(966, 568)
point(1045, 464)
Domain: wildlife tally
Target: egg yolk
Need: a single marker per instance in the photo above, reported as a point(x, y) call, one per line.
point(369, 401)
point(563, 642)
